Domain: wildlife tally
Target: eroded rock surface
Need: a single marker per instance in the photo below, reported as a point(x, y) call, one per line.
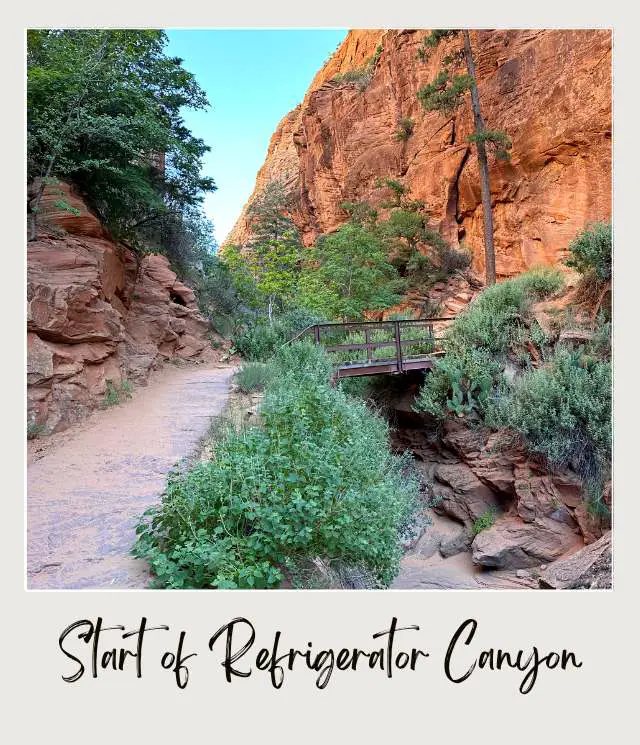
point(540, 518)
point(97, 313)
point(514, 544)
point(589, 568)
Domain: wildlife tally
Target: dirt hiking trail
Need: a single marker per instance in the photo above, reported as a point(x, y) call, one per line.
point(87, 486)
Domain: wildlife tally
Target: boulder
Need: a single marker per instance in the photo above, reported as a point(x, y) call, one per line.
point(513, 544)
point(589, 568)
point(457, 543)
point(464, 497)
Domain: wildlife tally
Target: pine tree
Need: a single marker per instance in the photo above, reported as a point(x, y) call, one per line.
point(446, 93)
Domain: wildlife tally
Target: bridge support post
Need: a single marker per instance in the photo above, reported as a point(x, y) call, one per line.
point(398, 345)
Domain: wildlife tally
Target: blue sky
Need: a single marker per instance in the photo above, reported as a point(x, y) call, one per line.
point(252, 79)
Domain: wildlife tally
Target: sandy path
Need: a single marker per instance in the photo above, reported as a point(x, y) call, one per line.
point(86, 486)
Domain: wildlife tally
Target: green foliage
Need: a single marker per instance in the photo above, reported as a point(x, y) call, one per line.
point(259, 339)
point(347, 273)
point(316, 480)
point(265, 271)
point(268, 215)
point(461, 384)
point(479, 341)
point(34, 430)
point(62, 204)
point(404, 225)
point(563, 412)
point(398, 189)
point(499, 142)
point(361, 212)
point(486, 520)
point(253, 376)
point(373, 61)
point(116, 393)
point(432, 40)
point(403, 231)
point(446, 92)
point(405, 130)
point(361, 76)
point(591, 251)
point(492, 321)
point(104, 112)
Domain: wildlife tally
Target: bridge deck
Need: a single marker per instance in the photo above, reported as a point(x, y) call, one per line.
point(359, 342)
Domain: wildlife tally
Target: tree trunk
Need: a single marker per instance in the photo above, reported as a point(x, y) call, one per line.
point(483, 167)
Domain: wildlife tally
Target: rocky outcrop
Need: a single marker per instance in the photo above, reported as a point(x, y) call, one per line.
point(550, 90)
point(589, 568)
point(514, 544)
point(95, 312)
point(538, 516)
point(463, 496)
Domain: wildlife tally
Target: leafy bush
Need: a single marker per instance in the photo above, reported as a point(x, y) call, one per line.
point(405, 129)
point(34, 430)
point(102, 105)
point(486, 520)
point(253, 376)
point(591, 251)
point(348, 273)
point(459, 384)
point(478, 342)
point(260, 338)
point(115, 393)
point(316, 480)
point(361, 76)
point(563, 412)
point(492, 321)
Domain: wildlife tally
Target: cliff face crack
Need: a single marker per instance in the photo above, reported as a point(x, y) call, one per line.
point(452, 210)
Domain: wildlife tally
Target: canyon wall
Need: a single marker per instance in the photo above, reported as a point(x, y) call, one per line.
point(549, 90)
point(96, 312)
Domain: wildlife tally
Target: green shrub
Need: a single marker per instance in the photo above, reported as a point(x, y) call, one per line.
point(115, 393)
point(591, 251)
point(478, 342)
point(405, 129)
point(459, 384)
point(362, 75)
point(563, 412)
point(253, 376)
point(260, 338)
point(492, 320)
point(316, 480)
point(486, 520)
point(34, 430)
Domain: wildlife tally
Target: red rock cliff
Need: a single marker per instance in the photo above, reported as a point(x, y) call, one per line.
point(549, 90)
point(95, 313)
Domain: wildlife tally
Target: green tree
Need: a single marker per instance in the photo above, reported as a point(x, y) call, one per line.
point(445, 94)
point(268, 215)
point(275, 266)
point(104, 112)
point(237, 264)
point(405, 226)
point(348, 272)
